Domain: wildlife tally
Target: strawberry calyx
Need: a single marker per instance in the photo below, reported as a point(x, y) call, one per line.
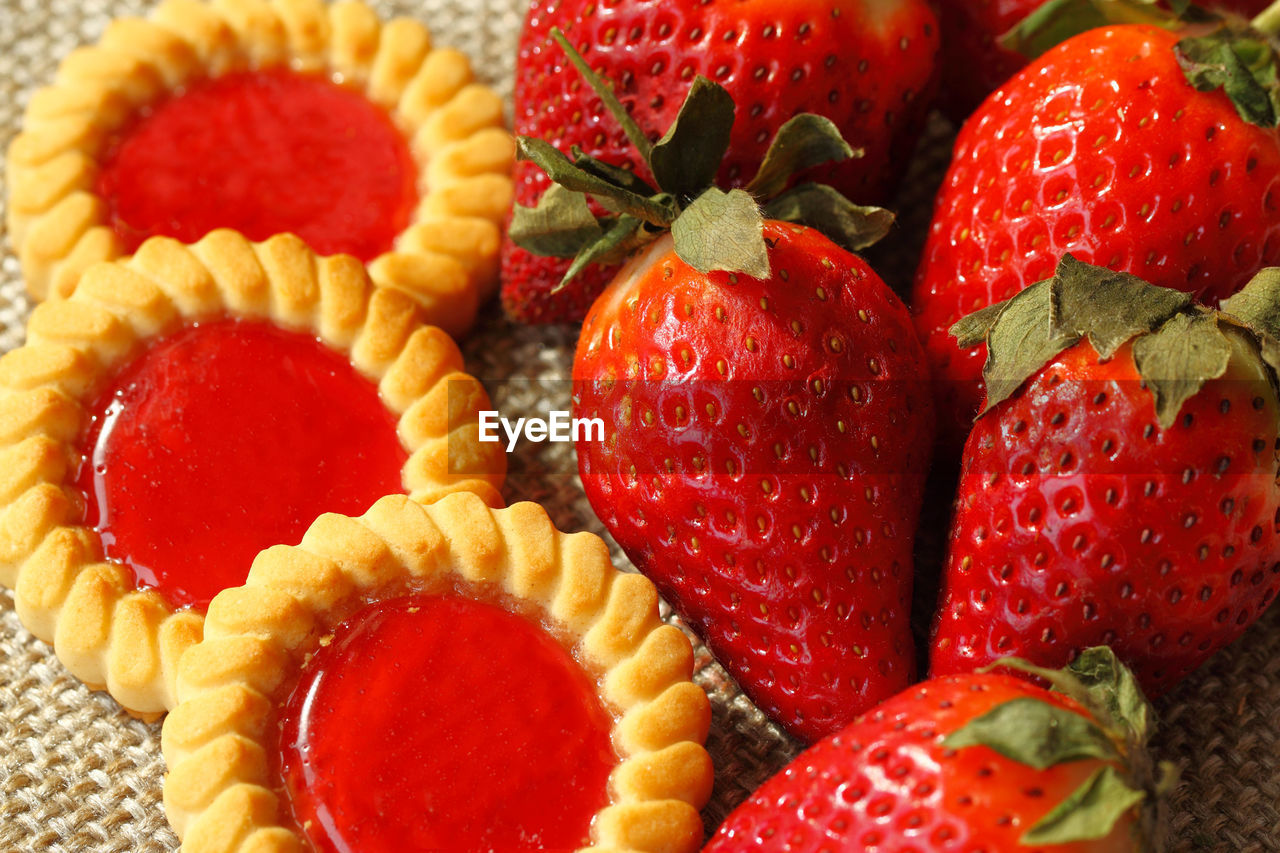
point(712, 229)
point(1041, 734)
point(1178, 346)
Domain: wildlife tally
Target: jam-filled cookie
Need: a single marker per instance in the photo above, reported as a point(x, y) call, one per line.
point(441, 677)
point(287, 116)
point(191, 405)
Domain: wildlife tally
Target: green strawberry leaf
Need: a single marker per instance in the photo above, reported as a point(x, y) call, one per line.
point(851, 226)
point(972, 329)
point(1089, 813)
point(1055, 21)
point(1267, 21)
point(1258, 307)
point(1021, 341)
point(686, 159)
point(723, 231)
point(1102, 685)
point(606, 96)
point(1179, 358)
point(561, 225)
point(569, 175)
point(621, 238)
point(625, 178)
point(1243, 67)
point(1051, 24)
point(1112, 693)
point(1108, 307)
point(1258, 303)
point(1036, 733)
point(805, 141)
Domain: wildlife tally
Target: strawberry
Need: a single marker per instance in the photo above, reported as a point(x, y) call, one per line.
point(868, 65)
point(1121, 486)
point(766, 408)
point(763, 464)
point(1104, 148)
point(973, 762)
point(984, 40)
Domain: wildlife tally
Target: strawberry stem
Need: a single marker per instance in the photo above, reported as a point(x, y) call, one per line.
point(1268, 22)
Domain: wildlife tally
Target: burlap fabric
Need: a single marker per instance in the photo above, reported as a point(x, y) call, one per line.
point(77, 774)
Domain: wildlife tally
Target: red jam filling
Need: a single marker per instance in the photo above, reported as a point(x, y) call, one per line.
point(444, 723)
point(223, 439)
point(262, 152)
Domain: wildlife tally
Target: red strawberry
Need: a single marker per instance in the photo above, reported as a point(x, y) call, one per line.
point(766, 408)
point(967, 763)
point(1121, 488)
point(766, 445)
point(869, 65)
point(974, 61)
point(1102, 148)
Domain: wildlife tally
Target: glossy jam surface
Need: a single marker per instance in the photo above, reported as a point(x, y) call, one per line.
point(444, 723)
point(262, 152)
point(223, 439)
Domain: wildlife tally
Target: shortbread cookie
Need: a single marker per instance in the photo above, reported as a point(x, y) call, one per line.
point(191, 405)
point(447, 677)
point(267, 117)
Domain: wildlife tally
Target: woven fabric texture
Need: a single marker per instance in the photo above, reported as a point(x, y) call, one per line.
point(77, 774)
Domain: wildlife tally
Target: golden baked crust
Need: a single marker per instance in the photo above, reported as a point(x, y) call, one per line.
point(218, 792)
point(446, 257)
point(107, 632)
